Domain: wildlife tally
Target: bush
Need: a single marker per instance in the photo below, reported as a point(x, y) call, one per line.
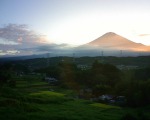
point(11, 93)
point(128, 116)
point(47, 97)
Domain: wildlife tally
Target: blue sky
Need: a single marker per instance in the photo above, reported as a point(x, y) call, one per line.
point(73, 22)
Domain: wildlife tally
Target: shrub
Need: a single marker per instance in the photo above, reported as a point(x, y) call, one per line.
point(128, 116)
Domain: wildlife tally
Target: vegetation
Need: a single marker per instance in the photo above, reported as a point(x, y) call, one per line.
point(41, 105)
point(25, 95)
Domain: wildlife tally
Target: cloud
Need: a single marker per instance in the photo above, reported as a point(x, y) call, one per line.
point(143, 35)
point(6, 42)
point(53, 47)
point(20, 40)
point(9, 52)
point(20, 34)
point(49, 48)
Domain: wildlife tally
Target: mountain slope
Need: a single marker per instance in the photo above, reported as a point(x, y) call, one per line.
point(111, 40)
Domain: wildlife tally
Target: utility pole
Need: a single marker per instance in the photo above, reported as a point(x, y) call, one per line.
point(102, 53)
point(121, 53)
point(73, 57)
point(48, 59)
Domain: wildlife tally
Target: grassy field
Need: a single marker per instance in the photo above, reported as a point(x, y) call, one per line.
point(34, 101)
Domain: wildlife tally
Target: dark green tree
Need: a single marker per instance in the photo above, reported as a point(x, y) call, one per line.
point(68, 75)
point(6, 72)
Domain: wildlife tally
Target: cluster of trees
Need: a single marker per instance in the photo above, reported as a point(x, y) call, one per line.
point(135, 85)
point(100, 78)
point(6, 72)
point(104, 79)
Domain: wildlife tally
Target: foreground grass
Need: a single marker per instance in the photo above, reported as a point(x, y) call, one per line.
point(55, 106)
point(36, 102)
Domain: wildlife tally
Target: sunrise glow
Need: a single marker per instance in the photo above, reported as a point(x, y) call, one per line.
point(72, 22)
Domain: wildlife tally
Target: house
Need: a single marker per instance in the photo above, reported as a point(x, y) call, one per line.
point(110, 99)
point(106, 97)
point(84, 67)
point(51, 80)
point(127, 67)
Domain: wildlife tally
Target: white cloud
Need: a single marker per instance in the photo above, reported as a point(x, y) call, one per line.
point(19, 34)
point(9, 52)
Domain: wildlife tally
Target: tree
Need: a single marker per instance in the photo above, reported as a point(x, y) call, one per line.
point(68, 75)
point(105, 74)
point(5, 74)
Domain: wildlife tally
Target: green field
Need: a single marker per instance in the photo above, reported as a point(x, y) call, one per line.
point(34, 101)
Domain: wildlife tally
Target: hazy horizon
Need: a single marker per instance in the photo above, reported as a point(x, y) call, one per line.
point(27, 26)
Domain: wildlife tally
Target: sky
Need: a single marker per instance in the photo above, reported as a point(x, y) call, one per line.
point(30, 24)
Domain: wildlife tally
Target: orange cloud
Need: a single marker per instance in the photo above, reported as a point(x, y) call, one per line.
point(142, 35)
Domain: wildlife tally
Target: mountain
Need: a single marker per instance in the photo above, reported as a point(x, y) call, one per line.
point(112, 42)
